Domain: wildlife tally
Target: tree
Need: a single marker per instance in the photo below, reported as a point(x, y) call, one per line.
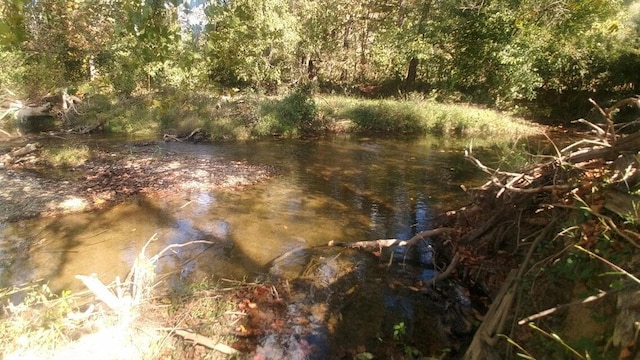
point(251, 43)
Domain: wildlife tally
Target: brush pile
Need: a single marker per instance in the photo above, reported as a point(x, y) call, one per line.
point(545, 236)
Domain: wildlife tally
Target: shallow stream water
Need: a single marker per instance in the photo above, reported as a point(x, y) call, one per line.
point(340, 189)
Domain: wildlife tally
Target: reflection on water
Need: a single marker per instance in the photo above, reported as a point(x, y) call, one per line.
point(339, 189)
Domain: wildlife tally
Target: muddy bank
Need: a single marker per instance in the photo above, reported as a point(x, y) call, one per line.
point(32, 188)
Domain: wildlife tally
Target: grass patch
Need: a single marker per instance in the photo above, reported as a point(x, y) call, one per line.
point(421, 117)
point(298, 114)
point(67, 156)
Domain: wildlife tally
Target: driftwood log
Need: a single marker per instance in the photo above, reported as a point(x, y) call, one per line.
point(378, 244)
point(34, 112)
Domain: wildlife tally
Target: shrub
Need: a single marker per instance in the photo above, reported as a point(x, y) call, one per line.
point(298, 112)
point(388, 116)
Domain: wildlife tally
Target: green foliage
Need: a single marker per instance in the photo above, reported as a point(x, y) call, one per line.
point(388, 116)
point(399, 335)
point(421, 116)
point(41, 318)
point(499, 52)
point(251, 43)
point(298, 113)
point(399, 331)
point(13, 71)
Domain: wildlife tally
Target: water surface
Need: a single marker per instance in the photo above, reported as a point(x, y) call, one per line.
point(336, 189)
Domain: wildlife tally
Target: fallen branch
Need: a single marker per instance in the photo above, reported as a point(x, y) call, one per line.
point(599, 132)
point(191, 137)
point(167, 137)
point(623, 144)
point(27, 149)
point(632, 101)
point(376, 244)
point(97, 125)
point(534, 190)
point(488, 170)
point(550, 311)
point(445, 274)
point(483, 345)
point(479, 231)
point(205, 341)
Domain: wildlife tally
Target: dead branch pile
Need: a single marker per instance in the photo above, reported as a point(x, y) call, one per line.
point(195, 136)
point(519, 211)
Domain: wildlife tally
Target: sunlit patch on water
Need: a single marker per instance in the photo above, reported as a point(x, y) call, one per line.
point(73, 204)
point(205, 199)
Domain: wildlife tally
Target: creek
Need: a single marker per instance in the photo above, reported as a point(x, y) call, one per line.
point(339, 189)
point(343, 189)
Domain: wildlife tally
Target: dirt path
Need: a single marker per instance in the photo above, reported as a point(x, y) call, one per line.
point(33, 188)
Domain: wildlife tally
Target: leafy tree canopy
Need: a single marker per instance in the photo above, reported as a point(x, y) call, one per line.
point(498, 52)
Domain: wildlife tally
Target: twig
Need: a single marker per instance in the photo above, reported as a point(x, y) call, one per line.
point(614, 227)
point(607, 117)
point(205, 341)
point(552, 310)
point(584, 142)
point(599, 132)
point(486, 169)
point(614, 266)
point(445, 274)
point(482, 229)
point(630, 123)
point(557, 339)
point(607, 220)
point(174, 246)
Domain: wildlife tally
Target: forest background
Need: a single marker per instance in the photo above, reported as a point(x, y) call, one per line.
point(543, 59)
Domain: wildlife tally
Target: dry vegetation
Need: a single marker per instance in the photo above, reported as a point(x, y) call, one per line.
point(129, 319)
point(562, 231)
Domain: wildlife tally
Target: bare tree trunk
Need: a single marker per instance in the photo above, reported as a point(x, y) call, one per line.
point(92, 68)
point(410, 80)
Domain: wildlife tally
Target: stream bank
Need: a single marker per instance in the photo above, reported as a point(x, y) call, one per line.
point(562, 236)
